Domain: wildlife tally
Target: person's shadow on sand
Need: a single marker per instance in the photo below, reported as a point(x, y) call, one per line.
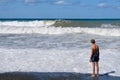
point(54, 76)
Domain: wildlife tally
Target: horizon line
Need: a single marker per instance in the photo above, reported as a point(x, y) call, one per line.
point(60, 18)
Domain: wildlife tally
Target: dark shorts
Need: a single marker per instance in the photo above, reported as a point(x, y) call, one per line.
point(95, 58)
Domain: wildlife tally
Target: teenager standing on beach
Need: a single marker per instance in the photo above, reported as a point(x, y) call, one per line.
point(94, 58)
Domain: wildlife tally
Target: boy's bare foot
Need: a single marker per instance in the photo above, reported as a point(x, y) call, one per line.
point(97, 75)
point(92, 75)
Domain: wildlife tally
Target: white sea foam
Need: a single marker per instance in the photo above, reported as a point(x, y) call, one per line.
point(57, 53)
point(109, 26)
point(46, 27)
point(26, 52)
point(35, 60)
point(102, 31)
point(60, 30)
point(27, 23)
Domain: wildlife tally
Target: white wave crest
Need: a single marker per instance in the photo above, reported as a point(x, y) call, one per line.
point(109, 26)
point(60, 30)
point(27, 23)
point(102, 31)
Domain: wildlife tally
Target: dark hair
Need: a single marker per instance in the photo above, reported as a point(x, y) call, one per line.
point(92, 40)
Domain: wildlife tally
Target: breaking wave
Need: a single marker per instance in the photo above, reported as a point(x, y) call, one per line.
point(60, 30)
point(49, 27)
point(27, 23)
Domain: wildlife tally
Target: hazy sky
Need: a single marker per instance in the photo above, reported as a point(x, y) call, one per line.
point(59, 8)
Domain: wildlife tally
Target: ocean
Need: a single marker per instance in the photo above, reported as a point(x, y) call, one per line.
point(105, 27)
point(58, 45)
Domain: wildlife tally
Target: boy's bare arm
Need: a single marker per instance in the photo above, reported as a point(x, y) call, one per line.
point(92, 48)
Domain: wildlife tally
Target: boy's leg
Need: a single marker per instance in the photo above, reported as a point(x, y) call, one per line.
point(97, 67)
point(93, 69)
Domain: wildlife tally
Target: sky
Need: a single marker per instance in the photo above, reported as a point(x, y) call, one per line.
point(81, 9)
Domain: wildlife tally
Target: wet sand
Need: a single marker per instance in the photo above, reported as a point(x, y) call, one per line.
point(43, 76)
point(54, 76)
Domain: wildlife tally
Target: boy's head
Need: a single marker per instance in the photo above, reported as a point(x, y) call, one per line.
point(93, 41)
